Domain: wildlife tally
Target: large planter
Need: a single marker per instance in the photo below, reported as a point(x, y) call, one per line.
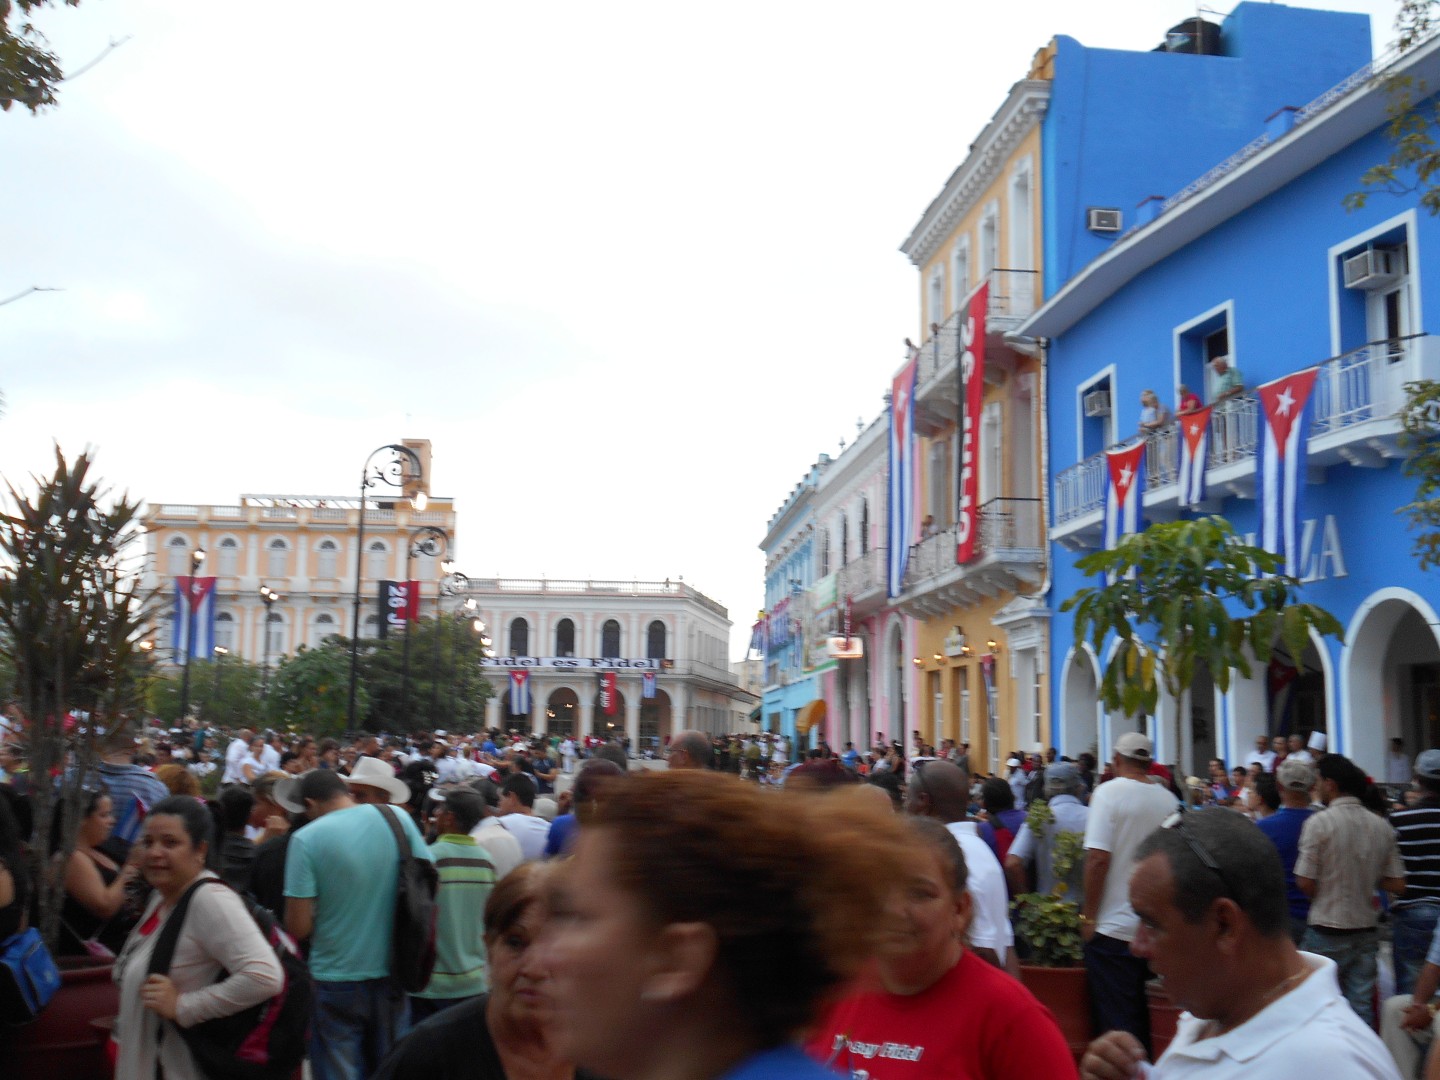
point(1164, 1017)
point(62, 1043)
point(1064, 991)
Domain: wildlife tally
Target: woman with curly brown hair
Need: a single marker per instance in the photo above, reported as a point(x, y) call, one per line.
point(703, 921)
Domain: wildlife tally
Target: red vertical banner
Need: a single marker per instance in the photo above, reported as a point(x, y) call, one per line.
point(608, 699)
point(972, 397)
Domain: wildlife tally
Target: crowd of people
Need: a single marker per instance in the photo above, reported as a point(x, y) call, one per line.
point(749, 911)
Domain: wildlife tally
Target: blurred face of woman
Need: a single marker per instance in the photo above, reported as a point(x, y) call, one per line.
point(518, 984)
point(169, 859)
point(257, 746)
point(924, 921)
point(598, 949)
point(98, 823)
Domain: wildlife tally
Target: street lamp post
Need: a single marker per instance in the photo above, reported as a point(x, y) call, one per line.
point(450, 584)
point(402, 464)
point(196, 558)
point(477, 624)
point(430, 540)
point(268, 596)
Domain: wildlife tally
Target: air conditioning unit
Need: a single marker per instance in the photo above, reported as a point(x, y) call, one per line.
point(1097, 403)
point(1103, 219)
point(1373, 268)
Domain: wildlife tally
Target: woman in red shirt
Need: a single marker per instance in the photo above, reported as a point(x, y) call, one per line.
point(939, 1011)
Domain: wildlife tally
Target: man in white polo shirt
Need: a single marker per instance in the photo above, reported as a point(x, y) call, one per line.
point(1214, 925)
point(1123, 811)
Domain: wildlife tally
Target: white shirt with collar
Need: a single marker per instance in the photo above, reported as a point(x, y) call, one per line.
point(985, 882)
point(504, 849)
point(270, 759)
point(234, 754)
point(1264, 758)
point(1309, 1032)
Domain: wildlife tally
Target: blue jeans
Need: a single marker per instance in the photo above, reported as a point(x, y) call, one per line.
point(1412, 927)
point(353, 1027)
point(1354, 954)
point(1117, 988)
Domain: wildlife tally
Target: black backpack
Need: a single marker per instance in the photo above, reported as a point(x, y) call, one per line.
point(264, 1042)
point(412, 940)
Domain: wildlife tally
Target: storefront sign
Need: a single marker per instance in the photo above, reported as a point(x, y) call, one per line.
point(972, 398)
point(570, 663)
point(1321, 556)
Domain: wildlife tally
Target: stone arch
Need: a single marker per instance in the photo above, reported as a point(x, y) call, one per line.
point(1390, 662)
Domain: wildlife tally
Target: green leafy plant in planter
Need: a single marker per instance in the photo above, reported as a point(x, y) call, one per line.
point(1047, 922)
point(72, 615)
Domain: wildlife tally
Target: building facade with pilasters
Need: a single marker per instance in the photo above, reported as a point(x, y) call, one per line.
point(641, 659)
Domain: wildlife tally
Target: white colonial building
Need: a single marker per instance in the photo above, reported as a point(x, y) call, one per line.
point(589, 652)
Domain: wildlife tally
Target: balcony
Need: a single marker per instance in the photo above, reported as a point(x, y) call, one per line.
point(1010, 553)
point(863, 580)
point(1354, 420)
point(937, 384)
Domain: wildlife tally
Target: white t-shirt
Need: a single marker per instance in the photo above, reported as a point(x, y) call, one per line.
point(1309, 1032)
point(235, 753)
point(1264, 758)
point(270, 758)
point(504, 849)
point(1122, 813)
point(531, 830)
point(985, 882)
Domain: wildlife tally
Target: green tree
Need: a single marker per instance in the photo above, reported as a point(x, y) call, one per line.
point(227, 690)
point(72, 617)
point(29, 71)
point(309, 691)
point(1187, 593)
point(447, 688)
point(1420, 439)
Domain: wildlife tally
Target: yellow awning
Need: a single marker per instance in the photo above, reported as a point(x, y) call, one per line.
point(809, 715)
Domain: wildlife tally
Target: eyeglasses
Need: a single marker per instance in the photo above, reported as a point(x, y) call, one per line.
point(1176, 821)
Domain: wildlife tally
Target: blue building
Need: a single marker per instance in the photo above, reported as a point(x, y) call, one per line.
point(789, 546)
point(1258, 263)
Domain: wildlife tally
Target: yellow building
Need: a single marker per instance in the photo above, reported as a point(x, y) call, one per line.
point(304, 547)
point(982, 626)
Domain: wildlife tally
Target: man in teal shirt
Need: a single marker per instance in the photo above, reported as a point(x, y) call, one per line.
point(467, 875)
point(340, 878)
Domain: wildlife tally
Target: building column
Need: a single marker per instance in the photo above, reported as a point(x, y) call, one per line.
point(679, 708)
point(585, 722)
point(632, 719)
point(539, 703)
point(492, 709)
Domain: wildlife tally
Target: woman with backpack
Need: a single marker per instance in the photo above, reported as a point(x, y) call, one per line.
point(217, 935)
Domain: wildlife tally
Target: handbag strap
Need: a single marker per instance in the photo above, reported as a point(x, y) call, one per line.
point(169, 934)
point(395, 830)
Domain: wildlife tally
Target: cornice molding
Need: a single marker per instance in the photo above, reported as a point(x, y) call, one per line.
point(1016, 118)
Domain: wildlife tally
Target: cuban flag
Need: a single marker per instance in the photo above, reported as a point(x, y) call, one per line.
point(129, 824)
point(194, 602)
point(1124, 492)
point(1194, 452)
point(757, 636)
point(647, 685)
point(902, 473)
point(520, 693)
point(1280, 469)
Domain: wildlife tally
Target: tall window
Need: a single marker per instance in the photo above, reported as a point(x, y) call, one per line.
point(864, 526)
point(824, 552)
point(229, 562)
point(325, 625)
point(565, 638)
point(275, 553)
point(655, 641)
point(937, 300)
point(610, 638)
point(225, 631)
point(379, 560)
point(960, 276)
point(844, 540)
point(519, 637)
point(989, 241)
point(274, 634)
point(177, 556)
point(327, 560)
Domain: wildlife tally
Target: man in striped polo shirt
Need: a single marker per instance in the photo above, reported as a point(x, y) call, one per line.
point(467, 875)
point(1417, 830)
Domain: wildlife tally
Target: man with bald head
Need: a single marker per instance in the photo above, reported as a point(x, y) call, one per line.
point(691, 750)
point(941, 790)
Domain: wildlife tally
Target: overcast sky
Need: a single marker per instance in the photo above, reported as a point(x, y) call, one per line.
point(629, 266)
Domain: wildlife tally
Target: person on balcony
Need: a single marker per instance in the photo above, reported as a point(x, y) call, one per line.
point(1229, 382)
point(1189, 400)
point(1154, 414)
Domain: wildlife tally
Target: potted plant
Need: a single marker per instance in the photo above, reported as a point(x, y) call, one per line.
point(71, 620)
point(1049, 925)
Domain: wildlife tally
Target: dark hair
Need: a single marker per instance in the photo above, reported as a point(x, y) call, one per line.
point(593, 775)
point(996, 795)
point(192, 814)
point(1268, 790)
point(611, 752)
point(91, 802)
point(235, 804)
point(942, 841)
point(1351, 780)
point(792, 886)
point(889, 783)
point(322, 785)
point(511, 897)
point(1253, 876)
point(521, 786)
point(487, 790)
point(12, 857)
point(466, 804)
